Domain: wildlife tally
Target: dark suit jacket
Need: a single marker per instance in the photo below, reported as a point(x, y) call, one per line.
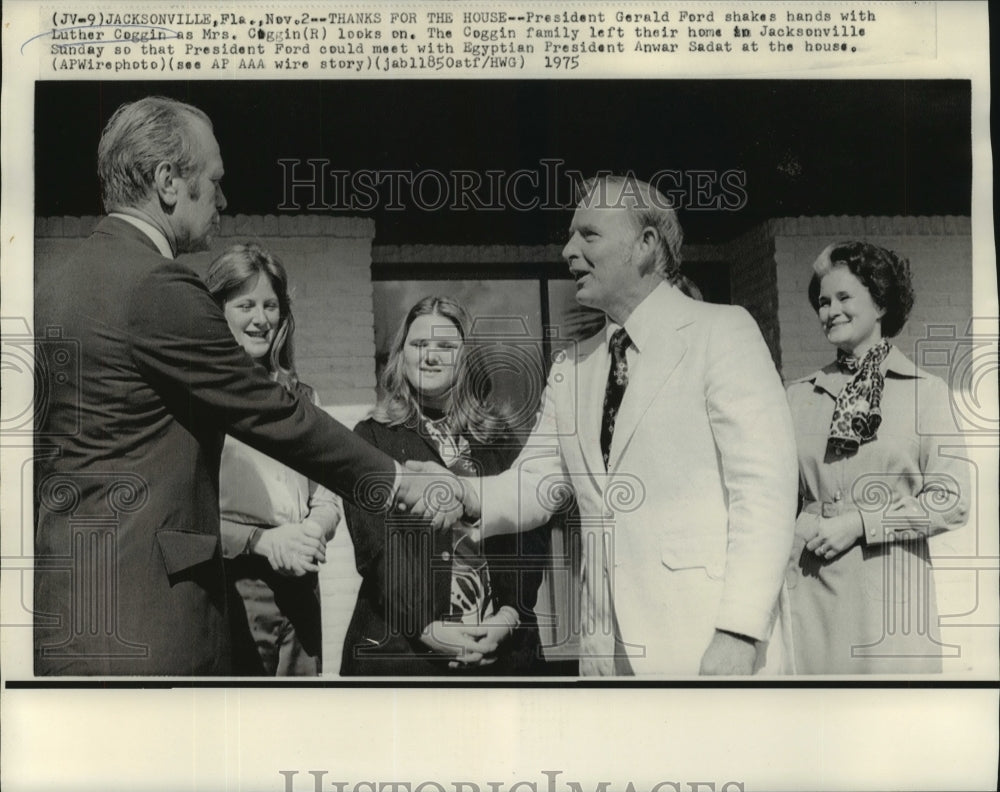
point(406, 574)
point(139, 379)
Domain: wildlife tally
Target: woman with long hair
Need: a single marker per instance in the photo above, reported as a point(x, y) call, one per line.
point(275, 522)
point(440, 603)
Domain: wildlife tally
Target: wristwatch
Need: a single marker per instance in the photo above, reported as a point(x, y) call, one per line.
point(252, 540)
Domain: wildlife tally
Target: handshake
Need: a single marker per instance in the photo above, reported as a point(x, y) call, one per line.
point(437, 495)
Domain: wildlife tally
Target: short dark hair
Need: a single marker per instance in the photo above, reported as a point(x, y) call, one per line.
point(885, 274)
point(138, 137)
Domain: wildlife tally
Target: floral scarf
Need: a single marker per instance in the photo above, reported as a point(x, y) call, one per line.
point(857, 413)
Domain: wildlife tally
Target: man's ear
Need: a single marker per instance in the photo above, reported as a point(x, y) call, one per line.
point(649, 241)
point(165, 183)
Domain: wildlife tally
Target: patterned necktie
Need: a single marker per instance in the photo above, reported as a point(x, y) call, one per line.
point(617, 382)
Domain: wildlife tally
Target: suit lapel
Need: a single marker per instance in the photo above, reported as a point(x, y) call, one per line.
point(658, 364)
point(662, 351)
point(593, 379)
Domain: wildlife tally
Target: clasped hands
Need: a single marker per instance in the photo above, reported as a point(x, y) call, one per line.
point(435, 494)
point(471, 645)
point(835, 534)
point(294, 549)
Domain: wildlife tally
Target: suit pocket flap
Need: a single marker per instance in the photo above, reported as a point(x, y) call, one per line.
point(678, 560)
point(183, 549)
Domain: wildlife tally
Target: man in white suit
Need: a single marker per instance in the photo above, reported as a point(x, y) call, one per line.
point(688, 515)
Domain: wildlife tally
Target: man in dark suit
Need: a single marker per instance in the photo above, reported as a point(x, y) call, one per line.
point(128, 568)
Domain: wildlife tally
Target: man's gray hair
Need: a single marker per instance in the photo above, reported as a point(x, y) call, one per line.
point(648, 207)
point(138, 137)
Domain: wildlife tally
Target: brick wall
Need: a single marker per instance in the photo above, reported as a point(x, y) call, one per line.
point(754, 284)
point(471, 255)
point(329, 268)
point(940, 254)
point(329, 260)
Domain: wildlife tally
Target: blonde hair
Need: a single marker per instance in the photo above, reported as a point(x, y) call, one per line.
point(471, 407)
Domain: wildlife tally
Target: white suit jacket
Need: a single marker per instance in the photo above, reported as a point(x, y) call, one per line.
point(696, 510)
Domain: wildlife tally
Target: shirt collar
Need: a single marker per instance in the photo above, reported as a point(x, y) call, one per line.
point(610, 328)
point(900, 364)
point(831, 379)
point(149, 230)
point(640, 324)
